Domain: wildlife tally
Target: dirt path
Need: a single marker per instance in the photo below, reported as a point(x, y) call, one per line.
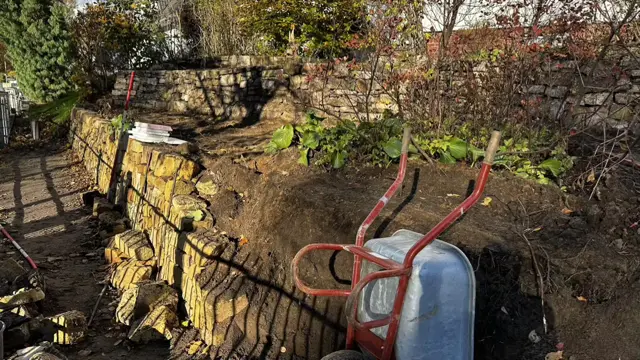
point(40, 203)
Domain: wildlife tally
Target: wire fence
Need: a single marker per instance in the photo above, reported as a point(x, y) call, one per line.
point(12, 104)
point(6, 120)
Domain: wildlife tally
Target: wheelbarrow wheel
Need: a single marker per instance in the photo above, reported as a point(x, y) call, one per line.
point(344, 355)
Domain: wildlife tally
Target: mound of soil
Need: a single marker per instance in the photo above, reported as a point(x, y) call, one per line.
point(581, 255)
point(587, 257)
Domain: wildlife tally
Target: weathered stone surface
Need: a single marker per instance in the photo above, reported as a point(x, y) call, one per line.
point(100, 206)
point(66, 329)
point(594, 99)
point(114, 256)
point(155, 325)
point(21, 297)
point(42, 351)
point(557, 92)
point(621, 98)
point(134, 244)
point(109, 218)
point(144, 298)
point(135, 146)
point(206, 185)
point(131, 272)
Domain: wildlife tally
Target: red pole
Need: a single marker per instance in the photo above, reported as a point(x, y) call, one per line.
point(19, 248)
point(126, 104)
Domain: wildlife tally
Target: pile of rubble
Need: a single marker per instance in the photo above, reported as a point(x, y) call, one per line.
point(20, 293)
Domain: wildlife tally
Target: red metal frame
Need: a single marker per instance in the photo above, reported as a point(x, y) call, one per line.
point(358, 332)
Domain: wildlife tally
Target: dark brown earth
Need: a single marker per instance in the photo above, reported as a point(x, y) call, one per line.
point(588, 258)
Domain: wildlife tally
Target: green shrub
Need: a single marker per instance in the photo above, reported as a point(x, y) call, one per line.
point(322, 27)
point(39, 46)
point(379, 143)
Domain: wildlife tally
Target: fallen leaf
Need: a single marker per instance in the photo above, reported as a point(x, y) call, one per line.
point(582, 298)
point(243, 241)
point(206, 349)
point(487, 201)
point(453, 195)
point(185, 323)
point(591, 177)
point(567, 211)
point(193, 348)
point(557, 355)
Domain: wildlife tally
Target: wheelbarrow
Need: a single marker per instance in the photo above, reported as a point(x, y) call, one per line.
point(412, 296)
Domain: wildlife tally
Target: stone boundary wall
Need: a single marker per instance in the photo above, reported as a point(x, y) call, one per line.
point(160, 196)
point(252, 88)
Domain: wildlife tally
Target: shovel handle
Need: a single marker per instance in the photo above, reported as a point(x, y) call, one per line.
point(492, 148)
point(406, 139)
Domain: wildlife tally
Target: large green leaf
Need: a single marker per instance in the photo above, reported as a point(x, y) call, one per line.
point(304, 157)
point(337, 159)
point(458, 149)
point(446, 158)
point(393, 148)
point(283, 137)
point(310, 139)
point(552, 165)
point(476, 153)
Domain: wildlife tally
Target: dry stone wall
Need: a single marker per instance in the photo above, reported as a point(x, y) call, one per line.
point(173, 233)
point(249, 87)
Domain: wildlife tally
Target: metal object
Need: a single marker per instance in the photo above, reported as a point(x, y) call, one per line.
point(95, 307)
point(2, 328)
point(6, 120)
point(35, 130)
point(361, 332)
point(18, 247)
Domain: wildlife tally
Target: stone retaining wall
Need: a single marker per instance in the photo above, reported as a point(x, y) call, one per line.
point(250, 87)
point(160, 196)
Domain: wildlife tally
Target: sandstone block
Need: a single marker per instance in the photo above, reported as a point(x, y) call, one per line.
point(206, 185)
point(100, 206)
point(21, 297)
point(131, 272)
point(135, 146)
point(155, 325)
point(68, 328)
point(134, 244)
point(114, 256)
point(143, 299)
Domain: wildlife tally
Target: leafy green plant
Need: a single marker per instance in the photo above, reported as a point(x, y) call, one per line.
point(450, 149)
point(375, 143)
point(543, 172)
point(119, 125)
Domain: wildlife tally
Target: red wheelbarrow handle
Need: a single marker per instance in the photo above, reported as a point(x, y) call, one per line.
point(383, 349)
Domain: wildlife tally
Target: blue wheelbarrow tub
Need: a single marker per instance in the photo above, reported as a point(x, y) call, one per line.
point(437, 317)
